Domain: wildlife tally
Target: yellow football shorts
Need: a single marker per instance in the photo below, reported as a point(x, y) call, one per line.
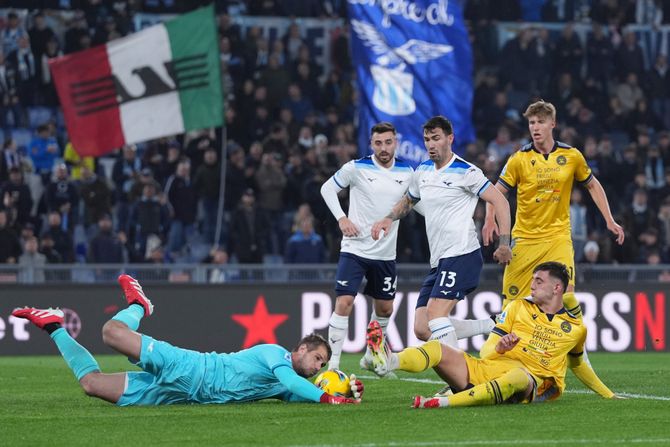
point(526, 255)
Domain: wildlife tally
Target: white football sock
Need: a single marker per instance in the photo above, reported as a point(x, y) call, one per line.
point(443, 331)
point(338, 327)
point(469, 328)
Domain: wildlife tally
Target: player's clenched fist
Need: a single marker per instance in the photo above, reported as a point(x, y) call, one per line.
point(381, 228)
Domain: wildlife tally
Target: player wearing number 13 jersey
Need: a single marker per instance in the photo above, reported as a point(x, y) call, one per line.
point(375, 184)
point(448, 188)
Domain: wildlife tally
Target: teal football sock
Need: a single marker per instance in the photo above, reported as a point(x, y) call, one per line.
point(80, 361)
point(130, 316)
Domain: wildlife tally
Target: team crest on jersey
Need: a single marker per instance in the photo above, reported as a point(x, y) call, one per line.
point(513, 290)
point(561, 160)
point(566, 327)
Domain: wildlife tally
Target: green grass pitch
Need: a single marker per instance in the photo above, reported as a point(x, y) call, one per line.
point(41, 404)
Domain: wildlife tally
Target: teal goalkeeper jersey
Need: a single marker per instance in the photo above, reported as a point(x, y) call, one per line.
point(260, 372)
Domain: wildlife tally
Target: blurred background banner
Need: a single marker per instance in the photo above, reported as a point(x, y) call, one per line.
point(620, 317)
point(413, 60)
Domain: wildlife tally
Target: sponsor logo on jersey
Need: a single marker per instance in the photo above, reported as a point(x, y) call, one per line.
point(400, 182)
point(566, 327)
point(371, 179)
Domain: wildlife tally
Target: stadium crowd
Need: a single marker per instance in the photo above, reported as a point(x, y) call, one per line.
point(290, 126)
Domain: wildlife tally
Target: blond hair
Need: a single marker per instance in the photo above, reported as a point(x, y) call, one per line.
point(541, 108)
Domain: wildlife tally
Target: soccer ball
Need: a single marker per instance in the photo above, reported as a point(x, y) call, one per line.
point(334, 382)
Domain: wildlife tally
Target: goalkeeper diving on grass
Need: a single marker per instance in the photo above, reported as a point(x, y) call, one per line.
point(172, 375)
point(524, 359)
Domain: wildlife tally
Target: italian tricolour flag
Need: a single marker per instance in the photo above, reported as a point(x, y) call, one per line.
point(161, 81)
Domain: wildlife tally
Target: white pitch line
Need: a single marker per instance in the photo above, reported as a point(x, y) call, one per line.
point(543, 442)
point(440, 382)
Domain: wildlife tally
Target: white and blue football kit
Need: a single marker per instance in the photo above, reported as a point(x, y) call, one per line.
point(373, 191)
point(174, 375)
point(449, 197)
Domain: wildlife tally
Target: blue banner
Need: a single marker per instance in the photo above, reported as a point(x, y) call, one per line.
point(413, 61)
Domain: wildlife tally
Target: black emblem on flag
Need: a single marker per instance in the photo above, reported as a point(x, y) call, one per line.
point(94, 95)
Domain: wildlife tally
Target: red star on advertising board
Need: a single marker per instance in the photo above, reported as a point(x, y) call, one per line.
point(260, 324)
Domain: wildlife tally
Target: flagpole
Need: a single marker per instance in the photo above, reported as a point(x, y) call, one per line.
point(222, 186)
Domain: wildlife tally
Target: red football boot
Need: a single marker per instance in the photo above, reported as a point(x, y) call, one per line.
point(39, 317)
point(134, 293)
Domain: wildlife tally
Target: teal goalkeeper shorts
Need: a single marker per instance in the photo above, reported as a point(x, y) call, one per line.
point(171, 375)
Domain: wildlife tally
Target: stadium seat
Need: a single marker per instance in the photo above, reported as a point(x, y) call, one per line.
point(38, 116)
point(22, 137)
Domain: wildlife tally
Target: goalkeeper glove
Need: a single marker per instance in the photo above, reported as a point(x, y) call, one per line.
point(356, 387)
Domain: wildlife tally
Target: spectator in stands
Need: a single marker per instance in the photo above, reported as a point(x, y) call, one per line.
point(46, 87)
point(249, 230)
point(206, 182)
point(16, 198)
point(76, 162)
point(629, 57)
point(658, 86)
point(48, 250)
point(11, 112)
point(106, 247)
point(271, 182)
point(305, 246)
point(629, 93)
point(502, 146)
point(648, 247)
point(12, 33)
point(124, 173)
point(297, 103)
point(569, 52)
point(218, 258)
point(276, 78)
point(10, 249)
point(148, 216)
point(26, 69)
point(96, 196)
point(32, 262)
point(146, 176)
point(76, 32)
point(40, 34)
point(591, 252)
point(639, 217)
point(664, 228)
point(181, 196)
point(62, 240)
point(11, 158)
point(44, 152)
point(236, 178)
point(62, 195)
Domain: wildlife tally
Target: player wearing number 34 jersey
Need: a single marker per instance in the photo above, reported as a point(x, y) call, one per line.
point(375, 184)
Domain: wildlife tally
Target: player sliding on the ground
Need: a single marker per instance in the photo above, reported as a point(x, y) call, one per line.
point(530, 347)
point(173, 375)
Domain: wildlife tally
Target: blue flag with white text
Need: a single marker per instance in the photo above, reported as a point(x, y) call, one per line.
point(413, 61)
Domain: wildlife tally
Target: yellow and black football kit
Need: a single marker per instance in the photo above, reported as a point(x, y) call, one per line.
point(542, 224)
point(533, 371)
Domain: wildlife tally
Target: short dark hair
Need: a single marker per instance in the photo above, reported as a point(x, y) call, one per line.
point(556, 270)
point(439, 122)
point(382, 127)
point(313, 341)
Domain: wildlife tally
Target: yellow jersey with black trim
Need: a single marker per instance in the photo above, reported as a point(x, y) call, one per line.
point(544, 184)
point(545, 340)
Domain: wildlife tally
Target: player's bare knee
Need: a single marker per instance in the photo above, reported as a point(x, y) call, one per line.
point(89, 384)
point(422, 333)
point(344, 304)
point(111, 332)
